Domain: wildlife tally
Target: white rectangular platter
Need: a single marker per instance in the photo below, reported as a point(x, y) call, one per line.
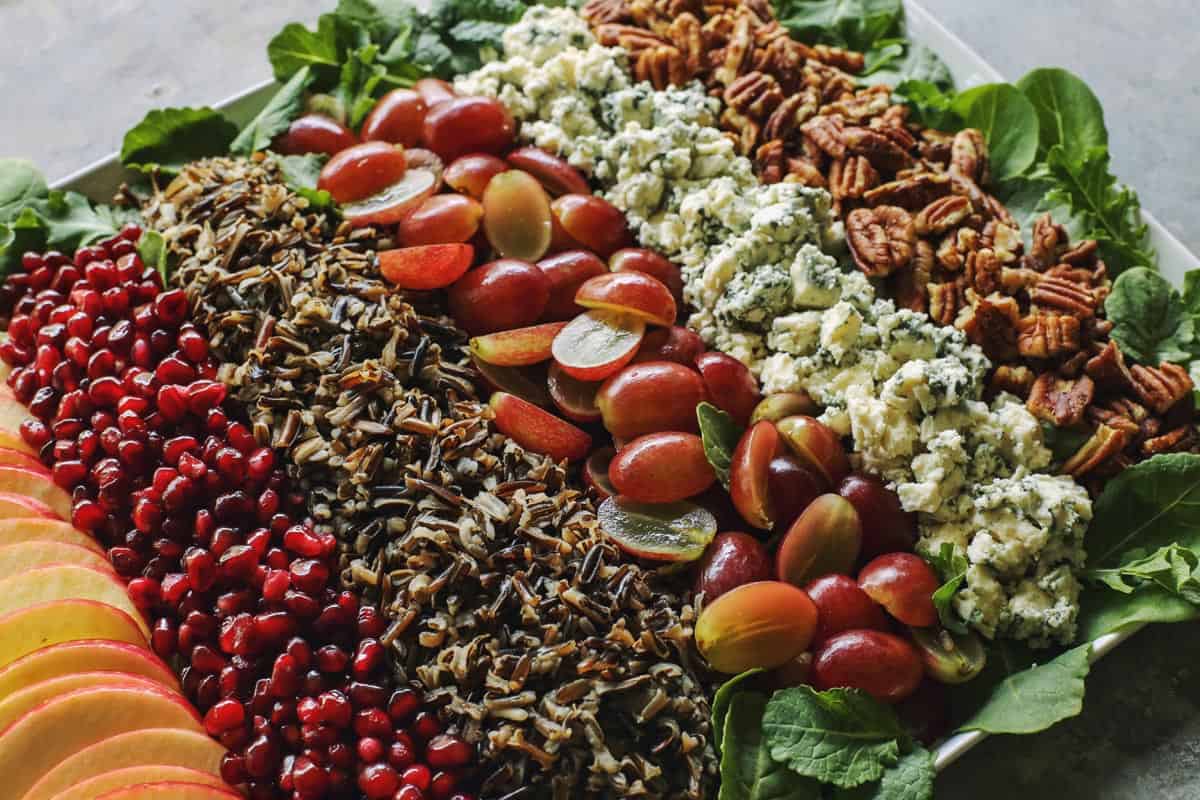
point(101, 179)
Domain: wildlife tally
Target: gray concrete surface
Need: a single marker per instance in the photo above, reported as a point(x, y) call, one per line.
point(75, 74)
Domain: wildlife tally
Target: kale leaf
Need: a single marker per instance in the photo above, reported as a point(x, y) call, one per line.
point(1030, 698)
point(167, 139)
point(748, 772)
point(1151, 321)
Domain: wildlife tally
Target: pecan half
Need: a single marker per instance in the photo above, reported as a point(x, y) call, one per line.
point(1065, 296)
point(770, 161)
point(863, 105)
point(983, 270)
point(880, 149)
point(941, 215)
point(882, 240)
point(910, 286)
point(1016, 380)
point(992, 324)
point(1179, 440)
point(849, 60)
point(754, 95)
point(1160, 388)
point(1105, 443)
point(1082, 254)
point(913, 193)
point(784, 123)
point(945, 300)
point(686, 34)
point(632, 38)
point(851, 177)
point(952, 253)
point(662, 66)
point(969, 156)
point(1048, 239)
point(825, 133)
point(603, 12)
point(1062, 401)
point(747, 130)
point(739, 52)
point(803, 171)
point(1108, 369)
point(1047, 335)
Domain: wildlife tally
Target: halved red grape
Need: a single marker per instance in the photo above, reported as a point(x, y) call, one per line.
point(659, 532)
point(629, 292)
point(662, 468)
point(842, 605)
point(518, 347)
point(597, 344)
point(576, 399)
point(649, 398)
point(681, 345)
point(764, 624)
point(393, 203)
point(462, 125)
point(730, 384)
point(397, 118)
point(538, 430)
point(903, 583)
point(567, 271)
point(517, 215)
point(441, 219)
point(884, 666)
point(314, 133)
point(362, 170)
point(733, 558)
point(639, 259)
point(588, 222)
point(556, 176)
point(427, 267)
point(470, 174)
point(498, 296)
point(887, 527)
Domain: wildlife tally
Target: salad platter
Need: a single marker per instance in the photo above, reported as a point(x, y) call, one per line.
point(648, 398)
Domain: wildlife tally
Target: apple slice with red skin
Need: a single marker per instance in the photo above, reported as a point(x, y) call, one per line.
point(633, 293)
point(15, 530)
point(148, 746)
point(13, 441)
point(12, 414)
point(170, 790)
point(66, 582)
point(598, 344)
point(134, 776)
point(537, 430)
point(37, 742)
point(11, 457)
point(425, 267)
point(66, 658)
point(24, 556)
point(19, 506)
point(29, 697)
point(519, 347)
point(29, 629)
point(38, 486)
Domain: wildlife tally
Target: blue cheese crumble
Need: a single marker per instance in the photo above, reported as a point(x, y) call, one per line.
point(761, 269)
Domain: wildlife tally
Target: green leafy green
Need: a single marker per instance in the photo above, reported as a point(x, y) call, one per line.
point(152, 248)
point(1105, 611)
point(1033, 699)
point(1173, 568)
point(930, 106)
point(167, 139)
point(1103, 209)
point(21, 184)
point(301, 174)
point(71, 221)
point(722, 699)
point(455, 36)
point(1150, 320)
point(748, 772)
point(321, 52)
point(22, 233)
point(1008, 123)
point(276, 116)
point(951, 567)
point(911, 779)
point(720, 435)
point(841, 736)
point(384, 20)
point(896, 61)
point(856, 24)
point(1069, 113)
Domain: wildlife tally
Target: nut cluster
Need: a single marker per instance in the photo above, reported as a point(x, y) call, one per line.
point(918, 217)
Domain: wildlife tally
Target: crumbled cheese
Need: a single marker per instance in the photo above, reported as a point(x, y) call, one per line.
point(760, 266)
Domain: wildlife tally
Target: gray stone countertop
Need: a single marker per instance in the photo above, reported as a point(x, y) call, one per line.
point(75, 74)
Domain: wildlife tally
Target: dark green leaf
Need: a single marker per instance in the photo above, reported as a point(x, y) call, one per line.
point(1069, 114)
point(286, 105)
point(930, 106)
point(747, 770)
point(321, 51)
point(301, 174)
point(841, 736)
point(1036, 698)
point(1173, 568)
point(721, 700)
point(167, 139)
point(720, 435)
point(914, 62)
point(1104, 611)
point(384, 20)
point(479, 32)
point(856, 24)
point(911, 779)
point(1106, 210)
point(152, 248)
point(1008, 123)
point(1150, 505)
point(72, 221)
point(1149, 320)
point(951, 567)
point(20, 184)
point(18, 236)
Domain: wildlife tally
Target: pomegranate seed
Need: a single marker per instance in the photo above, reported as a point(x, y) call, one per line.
point(35, 433)
point(87, 515)
point(224, 716)
point(403, 705)
point(260, 463)
point(368, 657)
point(378, 781)
point(447, 752)
point(400, 755)
point(144, 592)
point(68, 473)
point(417, 775)
point(426, 725)
point(309, 780)
point(409, 792)
point(370, 750)
point(372, 722)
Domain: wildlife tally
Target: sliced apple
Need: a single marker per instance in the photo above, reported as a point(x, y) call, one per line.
point(16, 530)
point(17, 558)
point(66, 658)
point(13, 441)
point(38, 741)
point(170, 790)
point(12, 412)
point(37, 485)
point(19, 703)
point(175, 747)
point(133, 776)
point(12, 457)
point(15, 506)
point(30, 629)
point(66, 582)
point(519, 347)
